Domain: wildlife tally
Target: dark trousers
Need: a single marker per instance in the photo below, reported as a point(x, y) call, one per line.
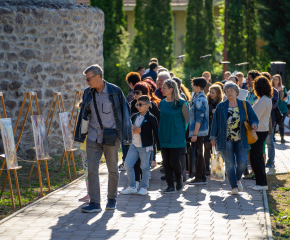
point(137, 170)
point(257, 159)
point(281, 125)
point(207, 154)
point(200, 163)
point(171, 161)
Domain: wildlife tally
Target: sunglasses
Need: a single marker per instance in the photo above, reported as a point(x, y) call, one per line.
point(137, 92)
point(88, 79)
point(140, 104)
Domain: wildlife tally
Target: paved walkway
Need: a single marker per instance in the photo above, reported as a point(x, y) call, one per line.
point(196, 212)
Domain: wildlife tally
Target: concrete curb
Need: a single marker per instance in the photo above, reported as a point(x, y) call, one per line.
point(267, 215)
point(39, 200)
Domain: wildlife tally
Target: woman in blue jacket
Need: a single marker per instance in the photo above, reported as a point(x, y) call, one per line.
point(228, 134)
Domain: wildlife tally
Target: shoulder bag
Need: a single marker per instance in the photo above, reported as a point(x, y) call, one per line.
point(251, 135)
point(109, 134)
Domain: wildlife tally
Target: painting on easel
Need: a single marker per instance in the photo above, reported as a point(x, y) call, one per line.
point(40, 139)
point(66, 133)
point(8, 142)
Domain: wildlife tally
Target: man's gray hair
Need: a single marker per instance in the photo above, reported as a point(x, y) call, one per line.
point(232, 85)
point(95, 69)
point(163, 74)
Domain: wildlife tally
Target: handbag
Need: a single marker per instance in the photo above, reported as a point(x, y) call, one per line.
point(251, 135)
point(217, 169)
point(109, 134)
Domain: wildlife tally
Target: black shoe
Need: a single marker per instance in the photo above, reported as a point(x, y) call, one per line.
point(179, 185)
point(169, 190)
point(163, 178)
point(283, 140)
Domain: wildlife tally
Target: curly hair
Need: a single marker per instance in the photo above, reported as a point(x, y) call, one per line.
point(143, 87)
point(254, 73)
point(262, 87)
point(152, 87)
point(219, 93)
point(133, 77)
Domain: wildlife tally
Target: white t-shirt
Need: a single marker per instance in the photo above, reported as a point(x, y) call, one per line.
point(137, 137)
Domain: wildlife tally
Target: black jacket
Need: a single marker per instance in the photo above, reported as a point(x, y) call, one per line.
point(149, 130)
point(154, 109)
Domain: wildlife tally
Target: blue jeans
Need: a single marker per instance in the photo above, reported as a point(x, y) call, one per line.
point(125, 149)
point(236, 161)
point(271, 148)
point(132, 156)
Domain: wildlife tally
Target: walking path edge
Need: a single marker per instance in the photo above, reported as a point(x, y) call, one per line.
point(268, 220)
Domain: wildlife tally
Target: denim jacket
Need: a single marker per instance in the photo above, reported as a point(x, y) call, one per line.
point(219, 124)
point(121, 113)
point(198, 113)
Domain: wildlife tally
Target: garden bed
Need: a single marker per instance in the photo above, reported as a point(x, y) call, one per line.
point(279, 205)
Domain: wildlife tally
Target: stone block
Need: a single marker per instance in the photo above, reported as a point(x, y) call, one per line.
point(15, 85)
point(28, 54)
point(36, 69)
point(33, 83)
point(12, 57)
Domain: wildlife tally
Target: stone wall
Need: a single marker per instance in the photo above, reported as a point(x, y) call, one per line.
point(45, 47)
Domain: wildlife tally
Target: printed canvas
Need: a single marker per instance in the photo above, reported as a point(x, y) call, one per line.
point(8, 142)
point(66, 133)
point(40, 139)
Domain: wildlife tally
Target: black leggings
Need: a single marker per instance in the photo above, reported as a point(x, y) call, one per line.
point(257, 159)
point(171, 160)
point(137, 170)
point(281, 125)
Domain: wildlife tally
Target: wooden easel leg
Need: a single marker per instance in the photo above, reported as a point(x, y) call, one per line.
point(39, 176)
point(11, 190)
point(35, 176)
point(5, 181)
point(47, 176)
point(62, 160)
point(17, 187)
point(32, 168)
point(2, 167)
point(73, 161)
point(67, 162)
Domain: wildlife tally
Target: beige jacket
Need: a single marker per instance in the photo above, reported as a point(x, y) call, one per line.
point(262, 107)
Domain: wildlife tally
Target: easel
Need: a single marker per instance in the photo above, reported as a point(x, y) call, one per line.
point(8, 176)
point(78, 97)
point(30, 96)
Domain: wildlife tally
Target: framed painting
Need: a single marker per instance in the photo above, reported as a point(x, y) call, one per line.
point(40, 139)
point(8, 143)
point(66, 132)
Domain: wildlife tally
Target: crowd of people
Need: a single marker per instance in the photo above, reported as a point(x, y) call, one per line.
point(161, 114)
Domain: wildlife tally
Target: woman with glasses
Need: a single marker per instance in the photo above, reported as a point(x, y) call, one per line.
point(174, 120)
point(228, 134)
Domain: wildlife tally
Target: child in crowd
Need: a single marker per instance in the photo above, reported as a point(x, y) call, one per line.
point(145, 128)
point(214, 97)
point(198, 127)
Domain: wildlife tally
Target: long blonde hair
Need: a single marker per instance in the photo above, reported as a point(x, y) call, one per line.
point(175, 93)
point(279, 84)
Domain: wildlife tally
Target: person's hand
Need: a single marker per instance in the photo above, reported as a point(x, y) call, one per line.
point(254, 127)
point(213, 111)
point(213, 143)
point(285, 99)
point(194, 138)
point(133, 127)
point(138, 130)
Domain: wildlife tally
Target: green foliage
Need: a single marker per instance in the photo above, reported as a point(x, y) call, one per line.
point(154, 37)
point(274, 20)
point(195, 36)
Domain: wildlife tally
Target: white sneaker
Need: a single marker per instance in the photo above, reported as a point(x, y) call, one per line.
point(258, 187)
point(240, 186)
point(129, 190)
point(235, 191)
point(143, 191)
point(252, 186)
point(137, 185)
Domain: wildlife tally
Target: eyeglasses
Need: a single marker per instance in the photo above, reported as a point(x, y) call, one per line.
point(230, 91)
point(88, 79)
point(137, 92)
point(140, 104)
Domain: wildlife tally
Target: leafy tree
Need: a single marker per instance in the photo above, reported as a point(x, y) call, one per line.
point(236, 31)
point(274, 20)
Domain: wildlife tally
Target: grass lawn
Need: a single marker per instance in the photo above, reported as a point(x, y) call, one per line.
point(279, 205)
point(30, 191)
